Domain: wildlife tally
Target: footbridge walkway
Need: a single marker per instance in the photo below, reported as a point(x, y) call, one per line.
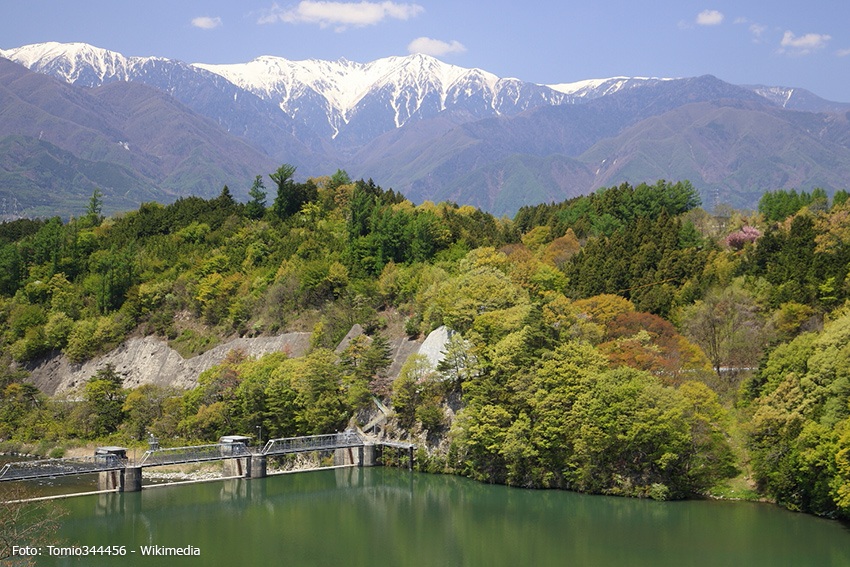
point(50, 468)
point(240, 459)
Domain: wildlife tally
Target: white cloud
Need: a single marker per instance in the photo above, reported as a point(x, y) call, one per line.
point(758, 31)
point(340, 14)
point(206, 23)
point(843, 52)
point(710, 18)
point(804, 44)
point(435, 47)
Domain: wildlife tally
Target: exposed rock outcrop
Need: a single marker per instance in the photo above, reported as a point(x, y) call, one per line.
point(435, 345)
point(149, 360)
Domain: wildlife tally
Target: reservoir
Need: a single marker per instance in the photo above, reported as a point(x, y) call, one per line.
point(384, 516)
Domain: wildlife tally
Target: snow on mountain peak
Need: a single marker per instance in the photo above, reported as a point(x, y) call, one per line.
point(778, 95)
point(594, 88)
point(29, 55)
point(343, 83)
point(74, 62)
point(331, 96)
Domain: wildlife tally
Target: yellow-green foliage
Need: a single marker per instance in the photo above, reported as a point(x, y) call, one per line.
point(801, 415)
point(565, 368)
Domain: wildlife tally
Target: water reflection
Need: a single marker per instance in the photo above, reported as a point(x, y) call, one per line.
point(393, 517)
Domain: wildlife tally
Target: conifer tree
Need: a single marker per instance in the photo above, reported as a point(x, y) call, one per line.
point(256, 207)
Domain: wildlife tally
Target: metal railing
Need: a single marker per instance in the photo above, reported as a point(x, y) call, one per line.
point(196, 454)
point(23, 470)
point(47, 468)
point(312, 443)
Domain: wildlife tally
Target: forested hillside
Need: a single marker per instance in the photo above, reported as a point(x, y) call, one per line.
point(625, 342)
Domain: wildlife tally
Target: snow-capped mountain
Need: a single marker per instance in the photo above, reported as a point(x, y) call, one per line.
point(78, 63)
point(368, 99)
point(438, 131)
point(797, 99)
point(236, 110)
point(590, 89)
point(294, 109)
point(342, 101)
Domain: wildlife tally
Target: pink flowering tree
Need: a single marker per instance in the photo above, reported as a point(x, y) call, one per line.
point(742, 237)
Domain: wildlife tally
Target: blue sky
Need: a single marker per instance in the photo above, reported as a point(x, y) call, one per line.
point(785, 43)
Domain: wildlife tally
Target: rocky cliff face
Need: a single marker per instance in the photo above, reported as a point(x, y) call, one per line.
point(149, 360)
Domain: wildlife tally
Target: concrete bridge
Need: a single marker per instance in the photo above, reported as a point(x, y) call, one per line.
point(118, 472)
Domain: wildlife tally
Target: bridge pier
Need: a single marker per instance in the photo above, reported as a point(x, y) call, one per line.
point(257, 466)
point(128, 479)
point(110, 480)
point(236, 467)
point(368, 455)
point(345, 456)
point(132, 479)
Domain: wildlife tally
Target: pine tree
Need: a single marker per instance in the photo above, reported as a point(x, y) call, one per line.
point(286, 203)
point(256, 207)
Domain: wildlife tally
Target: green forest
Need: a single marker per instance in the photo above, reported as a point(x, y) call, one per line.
point(625, 342)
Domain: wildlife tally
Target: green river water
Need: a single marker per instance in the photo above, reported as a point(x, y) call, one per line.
point(382, 516)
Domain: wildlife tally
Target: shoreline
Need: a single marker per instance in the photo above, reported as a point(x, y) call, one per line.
point(198, 480)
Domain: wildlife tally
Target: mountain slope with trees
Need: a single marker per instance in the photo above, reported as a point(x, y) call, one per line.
point(624, 342)
point(131, 142)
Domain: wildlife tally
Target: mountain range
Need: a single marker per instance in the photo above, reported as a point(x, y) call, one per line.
point(74, 117)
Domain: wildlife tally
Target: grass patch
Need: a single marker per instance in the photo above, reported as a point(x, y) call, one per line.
point(737, 488)
point(742, 486)
point(191, 343)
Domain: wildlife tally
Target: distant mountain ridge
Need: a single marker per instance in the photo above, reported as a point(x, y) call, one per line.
point(352, 103)
point(437, 131)
point(59, 142)
point(232, 108)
